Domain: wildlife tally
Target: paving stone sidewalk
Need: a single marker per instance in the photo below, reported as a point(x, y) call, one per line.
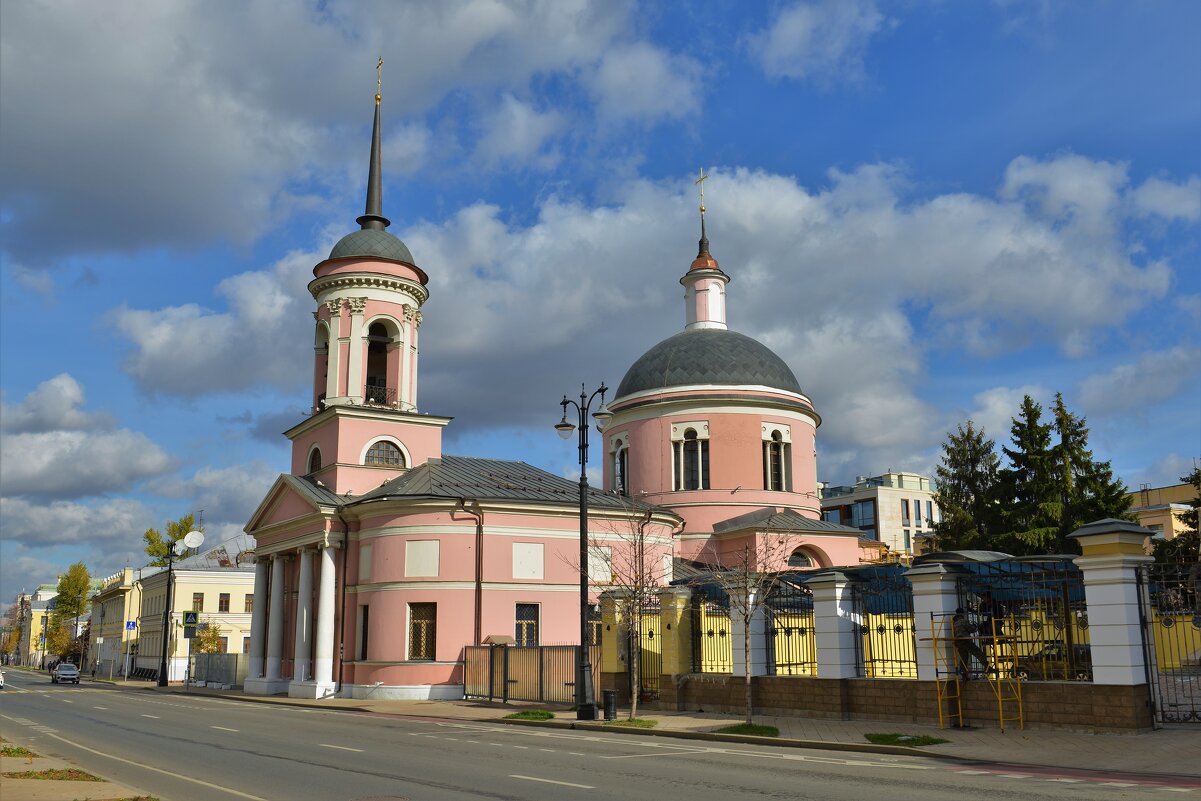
point(53, 789)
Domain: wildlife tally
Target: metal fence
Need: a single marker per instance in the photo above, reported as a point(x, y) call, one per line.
point(1030, 617)
point(882, 604)
point(791, 642)
point(712, 643)
point(527, 673)
point(224, 670)
point(650, 650)
point(1171, 616)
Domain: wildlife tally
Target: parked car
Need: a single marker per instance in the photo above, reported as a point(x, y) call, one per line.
point(65, 673)
point(1051, 663)
point(1, 679)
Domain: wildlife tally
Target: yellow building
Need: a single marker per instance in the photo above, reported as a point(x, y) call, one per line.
point(114, 624)
point(1161, 508)
point(35, 623)
point(217, 584)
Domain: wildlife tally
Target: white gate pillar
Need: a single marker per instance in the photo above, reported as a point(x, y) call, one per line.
point(934, 603)
point(835, 625)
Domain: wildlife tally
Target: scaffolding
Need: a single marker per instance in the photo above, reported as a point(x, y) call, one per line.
point(954, 654)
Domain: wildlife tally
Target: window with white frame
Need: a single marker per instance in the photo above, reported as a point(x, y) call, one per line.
point(690, 456)
point(777, 458)
point(384, 454)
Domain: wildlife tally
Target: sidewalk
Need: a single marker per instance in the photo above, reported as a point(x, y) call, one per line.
point(52, 789)
point(1175, 751)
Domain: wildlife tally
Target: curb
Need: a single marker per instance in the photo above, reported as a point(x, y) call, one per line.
point(745, 739)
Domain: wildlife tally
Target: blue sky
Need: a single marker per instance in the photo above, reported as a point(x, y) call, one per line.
point(927, 209)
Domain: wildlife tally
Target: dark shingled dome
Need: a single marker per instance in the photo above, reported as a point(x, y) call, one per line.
point(372, 243)
point(708, 356)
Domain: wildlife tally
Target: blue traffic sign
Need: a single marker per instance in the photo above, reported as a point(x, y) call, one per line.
point(191, 618)
point(131, 625)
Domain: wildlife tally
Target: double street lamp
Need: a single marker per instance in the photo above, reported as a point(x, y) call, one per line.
point(585, 693)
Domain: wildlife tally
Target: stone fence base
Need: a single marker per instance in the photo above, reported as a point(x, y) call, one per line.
point(1061, 705)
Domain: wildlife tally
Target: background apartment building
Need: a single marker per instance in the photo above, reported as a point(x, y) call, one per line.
point(896, 509)
point(114, 624)
point(1160, 508)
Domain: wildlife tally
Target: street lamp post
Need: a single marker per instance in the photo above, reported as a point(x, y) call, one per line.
point(585, 694)
point(192, 539)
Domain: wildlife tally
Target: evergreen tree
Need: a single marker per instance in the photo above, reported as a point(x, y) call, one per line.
point(158, 544)
point(1088, 490)
point(966, 491)
point(1186, 545)
point(1031, 498)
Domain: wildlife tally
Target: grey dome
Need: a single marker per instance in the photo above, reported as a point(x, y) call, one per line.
point(708, 356)
point(372, 243)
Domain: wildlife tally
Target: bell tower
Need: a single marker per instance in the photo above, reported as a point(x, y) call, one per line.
point(365, 427)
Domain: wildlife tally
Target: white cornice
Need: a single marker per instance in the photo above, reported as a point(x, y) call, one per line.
point(413, 289)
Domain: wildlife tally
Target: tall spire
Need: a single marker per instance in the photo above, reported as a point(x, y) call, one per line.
point(703, 249)
point(373, 217)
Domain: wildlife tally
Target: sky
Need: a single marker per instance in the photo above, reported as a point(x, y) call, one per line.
point(928, 209)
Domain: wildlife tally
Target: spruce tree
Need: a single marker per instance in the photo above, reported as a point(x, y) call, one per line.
point(966, 491)
point(1088, 490)
point(1031, 496)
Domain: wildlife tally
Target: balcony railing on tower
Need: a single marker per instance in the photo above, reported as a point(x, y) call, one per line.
point(379, 396)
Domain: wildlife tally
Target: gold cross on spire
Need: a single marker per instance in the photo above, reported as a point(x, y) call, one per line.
point(701, 183)
point(379, 77)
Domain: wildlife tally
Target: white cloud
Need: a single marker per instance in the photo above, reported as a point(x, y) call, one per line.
point(226, 495)
point(1164, 472)
point(1068, 188)
point(1169, 200)
point(641, 81)
point(69, 464)
point(112, 523)
point(825, 276)
point(516, 130)
point(822, 41)
point(1155, 377)
point(52, 406)
point(995, 409)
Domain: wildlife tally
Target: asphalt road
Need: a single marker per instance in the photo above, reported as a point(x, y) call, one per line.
point(196, 748)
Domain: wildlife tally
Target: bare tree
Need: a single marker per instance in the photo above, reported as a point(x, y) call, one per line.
point(628, 560)
point(749, 575)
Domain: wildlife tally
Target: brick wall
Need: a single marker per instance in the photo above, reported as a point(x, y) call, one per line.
point(1066, 705)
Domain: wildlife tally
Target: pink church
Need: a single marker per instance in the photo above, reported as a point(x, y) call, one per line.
point(378, 558)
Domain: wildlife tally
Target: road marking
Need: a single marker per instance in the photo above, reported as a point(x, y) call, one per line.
point(1021, 776)
point(972, 772)
point(222, 728)
point(172, 773)
point(341, 747)
point(663, 754)
point(105, 708)
point(150, 716)
point(522, 747)
point(551, 781)
point(1177, 789)
point(1066, 781)
point(547, 750)
point(1118, 784)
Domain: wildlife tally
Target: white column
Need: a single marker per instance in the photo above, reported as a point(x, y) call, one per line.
point(1113, 551)
point(323, 666)
point(258, 619)
point(275, 619)
point(835, 626)
point(758, 633)
point(406, 337)
point(304, 617)
point(354, 375)
point(934, 602)
point(333, 367)
point(413, 366)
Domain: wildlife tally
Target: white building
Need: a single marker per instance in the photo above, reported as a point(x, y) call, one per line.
point(896, 509)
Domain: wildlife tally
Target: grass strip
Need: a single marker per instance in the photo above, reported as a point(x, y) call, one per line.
point(635, 723)
point(54, 774)
point(753, 729)
point(531, 714)
point(904, 739)
point(15, 751)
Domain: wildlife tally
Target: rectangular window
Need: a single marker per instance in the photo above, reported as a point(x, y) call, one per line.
point(905, 511)
point(421, 558)
point(929, 513)
point(364, 563)
point(917, 514)
point(223, 602)
point(224, 645)
point(423, 631)
point(527, 624)
point(832, 516)
point(908, 542)
point(249, 603)
point(364, 628)
point(198, 602)
point(863, 515)
point(245, 645)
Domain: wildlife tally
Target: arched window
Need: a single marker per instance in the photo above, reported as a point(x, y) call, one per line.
point(385, 454)
point(314, 461)
point(621, 469)
point(377, 390)
point(799, 558)
point(776, 455)
point(691, 462)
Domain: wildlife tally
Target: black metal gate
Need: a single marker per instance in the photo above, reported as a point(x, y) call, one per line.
point(1171, 616)
point(882, 600)
point(649, 636)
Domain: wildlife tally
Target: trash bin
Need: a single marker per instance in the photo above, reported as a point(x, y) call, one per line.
point(610, 697)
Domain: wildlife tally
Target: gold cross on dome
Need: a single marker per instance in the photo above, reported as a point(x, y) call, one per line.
point(379, 77)
point(701, 183)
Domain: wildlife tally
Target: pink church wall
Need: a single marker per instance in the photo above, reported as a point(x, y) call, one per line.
point(353, 265)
